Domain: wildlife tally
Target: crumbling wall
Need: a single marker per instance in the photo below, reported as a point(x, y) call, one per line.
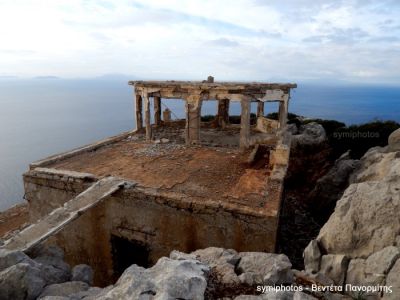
point(162, 223)
point(48, 189)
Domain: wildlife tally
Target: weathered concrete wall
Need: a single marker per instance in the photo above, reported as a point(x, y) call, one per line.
point(48, 189)
point(162, 224)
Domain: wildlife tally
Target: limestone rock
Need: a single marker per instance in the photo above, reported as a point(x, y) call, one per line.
point(55, 269)
point(292, 128)
point(168, 279)
point(380, 262)
point(335, 267)
point(302, 296)
point(312, 257)
point(64, 289)
point(264, 268)
point(394, 141)
point(279, 295)
point(356, 272)
point(310, 134)
point(330, 187)
point(21, 281)
point(223, 261)
point(8, 259)
point(317, 277)
point(82, 273)
point(51, 250)
point(91, 293)
point(377, 165)
point(365, 220)
point(393, 279)
point(56, 298)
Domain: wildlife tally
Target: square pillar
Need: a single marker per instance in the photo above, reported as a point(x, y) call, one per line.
point(193, 115)
point(157, 111)
point(147, 120)
point(245, 124)
point(138, 112)
point(223, 113)
point(283, 111)
point(260, 109)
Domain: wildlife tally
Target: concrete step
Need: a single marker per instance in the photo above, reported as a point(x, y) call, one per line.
point(60, 217)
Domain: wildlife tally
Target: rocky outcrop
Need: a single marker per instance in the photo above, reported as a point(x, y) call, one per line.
point(64, 289)
point(309, 134)
point(43, 275)
point(168, 279)
point(364, 229)
point(394, 141)
point(211, 273)
point(329, 188)
point(82, 273)
point(21, 281)
point(366, 219)
point(264, 268)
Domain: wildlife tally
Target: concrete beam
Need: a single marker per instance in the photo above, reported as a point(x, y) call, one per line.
point(245, 124)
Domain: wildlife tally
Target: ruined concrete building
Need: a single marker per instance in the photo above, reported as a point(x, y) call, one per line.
point(168, 184)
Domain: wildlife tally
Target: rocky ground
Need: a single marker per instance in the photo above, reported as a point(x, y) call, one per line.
point(13, 219)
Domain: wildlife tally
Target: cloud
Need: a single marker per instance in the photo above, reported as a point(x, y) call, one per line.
point(288, 40)
point(223, 42)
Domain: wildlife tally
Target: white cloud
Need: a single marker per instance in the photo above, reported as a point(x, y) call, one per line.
point(241, 39)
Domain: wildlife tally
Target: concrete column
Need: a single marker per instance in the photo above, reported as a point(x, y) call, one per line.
point(245, 124)
point(138, 112)
point(157, 111)
point(193, 115)
point(283, 111)
point(223, 113)
point(260, 109)
point(147, 120)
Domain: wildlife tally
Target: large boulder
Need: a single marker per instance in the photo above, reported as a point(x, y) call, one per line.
point(335, 267)
point(222, 261)
point(365, 220)
point(83, 273)
point(21, 281)
point(394, 141)
point(309, 134)
point(64, 289)
point(331, 186)
point(377, 165)
point(168, 279)
point(10, 258)
point(312, 257)
point(55, 269)
point(264, 268)
point(365, 226)
point(393, 280)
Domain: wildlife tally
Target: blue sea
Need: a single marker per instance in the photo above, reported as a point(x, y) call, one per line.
point(41, 117)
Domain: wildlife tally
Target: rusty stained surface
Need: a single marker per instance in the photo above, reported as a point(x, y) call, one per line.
point(213, 173)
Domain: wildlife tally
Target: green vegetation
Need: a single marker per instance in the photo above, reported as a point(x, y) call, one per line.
point(356, 138)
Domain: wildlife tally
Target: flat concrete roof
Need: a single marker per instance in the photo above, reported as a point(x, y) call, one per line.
point(212, 173)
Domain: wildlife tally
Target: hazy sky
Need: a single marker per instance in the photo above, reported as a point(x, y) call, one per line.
point(280, 40)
